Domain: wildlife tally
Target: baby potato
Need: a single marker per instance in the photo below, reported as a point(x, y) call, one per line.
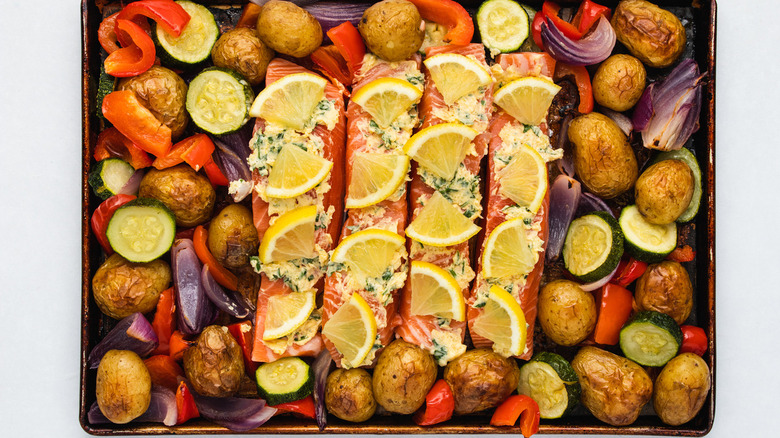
point(652, 34)
point(349, 395)
point(665, 287)
point(567, 313)
point(233, 236)
point(663, 191)
point(240, 49)
point(121, 287)
point(681, 389)
point(619, 82)
point(392, 29)
point(403, 375)
point(215, 364)
point(289, 29)
point(481, 379)
point(188, 194)
point(163, 92)
point(123, 387)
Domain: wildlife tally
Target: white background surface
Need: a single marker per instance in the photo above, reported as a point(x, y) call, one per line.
point(40, 265)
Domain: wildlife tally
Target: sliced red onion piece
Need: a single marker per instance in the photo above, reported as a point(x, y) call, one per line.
point(643, 109)
point(564, 198)
point(598, 283)
point(224, 302)
point(590, 49)
point(162, 409)
point(590, 203)
point(194, 309)
point(565, 164)
point(132, 184)
point(235, 168)
point(132, 333)
point(321, 368)
point(624, 123)
point(332, 14)
point(236, 414)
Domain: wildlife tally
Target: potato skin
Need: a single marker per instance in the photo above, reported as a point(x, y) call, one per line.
point(663, 191)
point(163, 92)
point(289, 29)
point(349, 395)
point(619, 82)
point(681, 389)
point(665, 287)
point(121, 287)
point(215, 364)
point(652, 34)
point(614, 388)
point(603, 158)
point(567, 313)
point(481, 379)
point(403, 375)
point(123, 387)
point(233, 237)
point(240, 49)
point(187, 193)
point(392, 29)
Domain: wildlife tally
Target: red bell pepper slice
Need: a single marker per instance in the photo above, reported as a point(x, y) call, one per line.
point(682, 254)
point(628, 271)
point(108, 37)
point(111, 143)
point(450, 14)
point(164, 371)
point(136, 122)
point(332, 63)
point(177, 345)
point(582, 79)
point(103, 214)
point(588, 14)
point(224, 277)
point(135, 58)
point(195, 151)
point(536, 29)
point(439, 405)
point(350, 44)
point(249, 16)
point(518, 406)
point(215, 175)
point(694, 340)
point(550, 10)
point(303, 407)
point(185, 404)
point(164, 323)
point(169, 15)
point(615, 305)
point(242, 332)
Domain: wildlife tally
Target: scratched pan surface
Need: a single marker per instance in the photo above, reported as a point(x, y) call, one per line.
point(699, 19)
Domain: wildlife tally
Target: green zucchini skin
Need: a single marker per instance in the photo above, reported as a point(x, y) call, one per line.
point(165, 239)
point(565, 372)
point(300, 388)
point(639, 250)
point(109, 176)
point(106, 85)
point(206, 22)
point(615, 252)
point(657, 322)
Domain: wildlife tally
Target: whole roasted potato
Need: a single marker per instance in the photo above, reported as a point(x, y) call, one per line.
point(349, 395)
point(603, 158)
point(392, 29)
point(567, 313)
point(403, 375)
point(187, 193)
point(681, 389)
point(123, 387)
point(215, 364)
point(289, 29)
point(233, 236)
point(481, 379)
point(619, 82)
point(665, 287)
point(240, 49)
point(663, 191)
point(614, 388)
point(121, 287)
point(163, 92)
point(652, 34)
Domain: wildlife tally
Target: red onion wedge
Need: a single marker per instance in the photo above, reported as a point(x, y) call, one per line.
point(624, 123)
point(564, 198)
point(236, 414)
point(194, 309)
point(643, 109)
point(590, 203)
point(223, 300)
point(321, 368)
point(132, 184)
point(565, 164)
point(132, 333)
point(591, 49)
point(232, 161)
point(589, 287)
point(162, 409)
point(331, 14)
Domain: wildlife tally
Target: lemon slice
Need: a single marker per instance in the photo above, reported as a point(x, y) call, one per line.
point(435, 292)
point(524, 179)
point(506, 252)
point(352, 329)
point(527, 99)
point(287, 312)
point(295, 172)
point(386, 99)
point(369, 252)
point(291, 100)
point(503, 322)
point(456, 75)
point(440, 223)
point(441, 148)
point(290, 237)
point(375, 177)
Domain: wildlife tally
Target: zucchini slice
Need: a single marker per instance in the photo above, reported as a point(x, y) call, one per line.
point(109, 176)
point(686, 156)
point(142, 230)
point(552, 382)
point(194, 44)
point(593, 246)
point(503, 25)
point(650, 338)
point(106, 84)
point(218, 100)
point(646, 242)
point(284, 380)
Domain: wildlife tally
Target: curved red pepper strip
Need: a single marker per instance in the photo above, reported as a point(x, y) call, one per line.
point(536, 29)
point(303, 407)
point(518, 406)
point(439, 405)
point(628, 271)
point(112, 143)
point(450, 14)
point(215, 175)
point(582, 79)
point(331, 62)
point(123, 109)
point(350, 44)
point(166, 13)
point(249, 16)
point(101, 216)
point(694, 340)
point(135, 58)
point(108, 38)
point(614, 304)
point(550, 10)
point(185, 404)
point(682, 254)
point(224, 277)
point(243, 334)
point(164, 324)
